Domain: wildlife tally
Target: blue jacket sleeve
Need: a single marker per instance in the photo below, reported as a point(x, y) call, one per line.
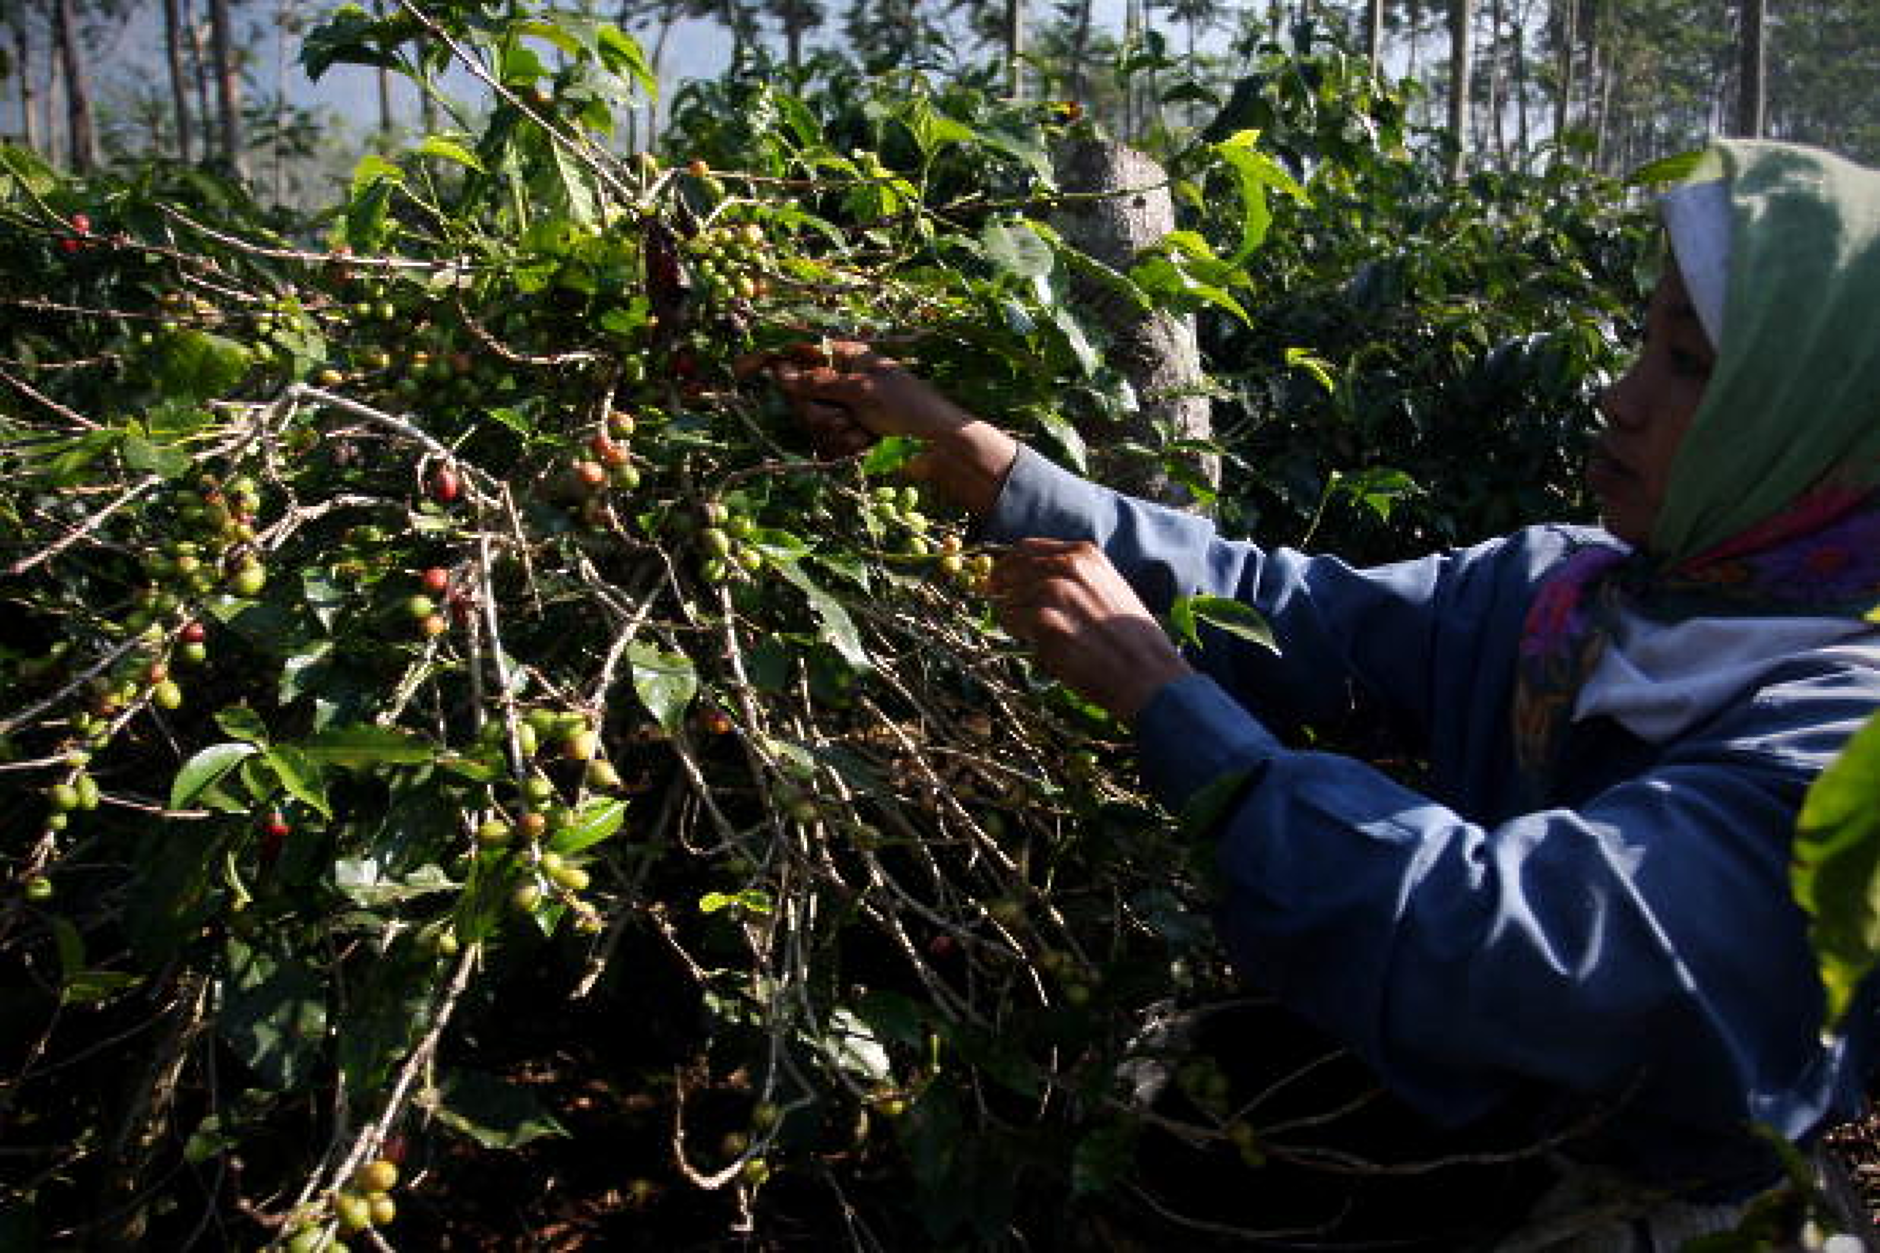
point(1348, 638)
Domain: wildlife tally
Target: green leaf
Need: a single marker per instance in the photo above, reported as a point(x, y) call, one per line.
point(300, 775)
point(449, 150)
point(1319, 368)
point(1835, 874)
point(593, 822)
point(364, 880)
point(852, 1045)
point(1012, 246)
point(620, 51)
point(838, 629)
point(205, 770)
point(1256, 173)
point(1210, 802)
point(497, 1115)
point(363, 746)
point(576, 183)
point(933, 130)
point(196, 365)
point(1378, 489)
point(1101, 1159)
point(1666, 170)
point(890, 454)
point(273, 1016)
point(349, 37)
point(89, 987)
point(242, 723)
point(166, 461)
point(751, 900)
point(665, 682)
point(77, 984)
point(373, 170)
point(892, 1016)
point(1066, 436)
point(1223, 613)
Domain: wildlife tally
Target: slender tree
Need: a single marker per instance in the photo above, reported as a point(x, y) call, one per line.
point(1749, 71)
point(1077, 72)
point(1015, 48)
point(797, 18)
point(179, 77)
point(199, 75)
point(1566, 31)
point(81, 136)
point(227, 83)
point(1461, 14)
point(26, 66)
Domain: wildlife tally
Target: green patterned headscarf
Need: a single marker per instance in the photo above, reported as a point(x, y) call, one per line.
point(1795, 393)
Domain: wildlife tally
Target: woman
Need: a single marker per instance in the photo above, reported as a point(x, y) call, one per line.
point(1590, 898)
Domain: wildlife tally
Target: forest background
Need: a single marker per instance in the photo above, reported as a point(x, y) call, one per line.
point(1624, 80)
point(469, 775)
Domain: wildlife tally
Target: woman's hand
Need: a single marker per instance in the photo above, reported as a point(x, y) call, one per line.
point(847, 395)
point(1087, 626)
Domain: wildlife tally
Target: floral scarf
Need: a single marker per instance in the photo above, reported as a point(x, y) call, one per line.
point(1819, 557)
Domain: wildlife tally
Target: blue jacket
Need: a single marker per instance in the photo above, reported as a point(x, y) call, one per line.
point(1633, 945)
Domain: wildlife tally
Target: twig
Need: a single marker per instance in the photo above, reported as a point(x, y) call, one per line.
point(83, 529)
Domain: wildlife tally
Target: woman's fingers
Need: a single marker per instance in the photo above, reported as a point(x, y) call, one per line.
point(833, 431)
point(1085, 624)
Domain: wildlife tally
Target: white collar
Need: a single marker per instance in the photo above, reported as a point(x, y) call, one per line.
point(1659, 678)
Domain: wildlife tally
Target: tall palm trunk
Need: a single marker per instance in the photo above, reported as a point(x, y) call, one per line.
point(80, 135)
point(179, 79)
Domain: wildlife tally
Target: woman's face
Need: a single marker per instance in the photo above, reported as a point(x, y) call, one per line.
point(1647, 412)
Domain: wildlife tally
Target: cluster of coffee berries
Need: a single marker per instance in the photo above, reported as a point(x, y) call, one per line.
point(724, 542)
point(729, 260)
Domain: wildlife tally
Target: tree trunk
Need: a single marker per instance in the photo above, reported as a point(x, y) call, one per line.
point(793, 36)
point(1749, 70)
point(1132, 36)
point(30, 131)
point(83, 140)
point(1015, 48)
point(1461, 13)
point(1079, 51)
point(386, 121)
point(1497, 81)
point(1522, 136)
point(1568, 12)
point(1155, 350)
point(179, 78)
point(199, 72)
point(667, 21)
point(1374, 36)
point(227, 84)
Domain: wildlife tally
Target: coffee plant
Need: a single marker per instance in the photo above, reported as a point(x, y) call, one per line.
point(418, 629)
